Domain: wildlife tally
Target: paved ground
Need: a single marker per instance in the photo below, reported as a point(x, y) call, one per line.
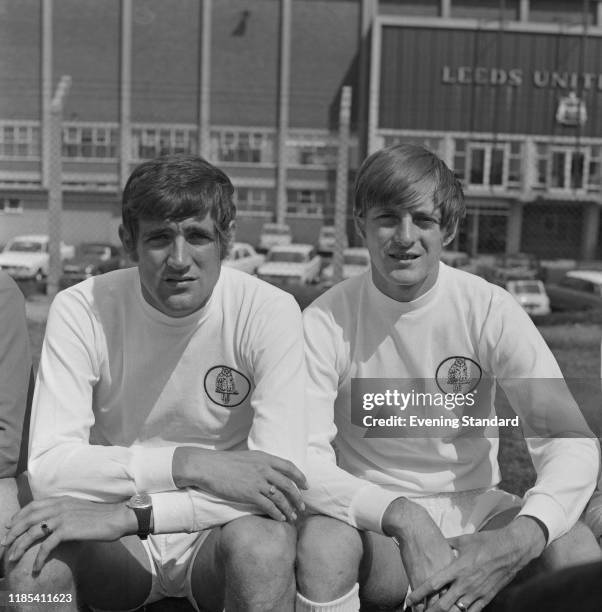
point(36, 307)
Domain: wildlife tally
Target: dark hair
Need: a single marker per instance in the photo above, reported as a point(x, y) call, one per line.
point(176, 187)
point(402, 175)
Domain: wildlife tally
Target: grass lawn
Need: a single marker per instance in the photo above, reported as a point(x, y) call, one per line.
point(577, 349)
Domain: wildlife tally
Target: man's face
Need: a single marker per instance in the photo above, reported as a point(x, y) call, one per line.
point(404, 245)
point(178, 262)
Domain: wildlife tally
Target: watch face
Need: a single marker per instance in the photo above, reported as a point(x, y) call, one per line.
point(140, 500)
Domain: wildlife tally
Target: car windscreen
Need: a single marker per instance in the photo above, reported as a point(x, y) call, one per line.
point(527, 288)
point(277, 230)
point(286, 257)
point(98, 250)
point(355, 260)
point(26, 246)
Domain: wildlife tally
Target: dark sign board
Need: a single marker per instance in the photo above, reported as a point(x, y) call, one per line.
point(490, 81)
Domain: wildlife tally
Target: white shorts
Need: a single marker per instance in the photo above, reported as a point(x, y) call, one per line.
point(171, 557)
point(464, 512)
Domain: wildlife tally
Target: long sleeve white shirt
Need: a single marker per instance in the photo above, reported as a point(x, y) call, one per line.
point(355, 332)
point(121, 386)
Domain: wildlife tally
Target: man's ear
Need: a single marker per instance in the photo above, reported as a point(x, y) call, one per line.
point(360, 225)
point(230, 235)
point(128, 243)
point(231, 232)
point(450, 235)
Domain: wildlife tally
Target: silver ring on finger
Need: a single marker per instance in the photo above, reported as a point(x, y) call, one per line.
point(45, 529)
point(271, 490)
point(461, 605)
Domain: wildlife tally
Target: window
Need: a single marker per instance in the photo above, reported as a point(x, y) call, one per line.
point(306, 201)
point(487, 164)
point(566, 168)
point(19, 140)
point(90, 141)
point(11, 205)
point(460, 158)
point(242, 146)
point(312, 149)
point(150, 142)
point(594, 174)
point(254, 199)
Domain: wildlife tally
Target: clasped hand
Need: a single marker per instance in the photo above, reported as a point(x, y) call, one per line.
point(486, 562)
point(61, 519)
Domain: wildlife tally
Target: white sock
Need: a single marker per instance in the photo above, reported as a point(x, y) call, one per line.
point(350, 602)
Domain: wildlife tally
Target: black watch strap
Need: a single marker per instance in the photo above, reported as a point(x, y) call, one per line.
point(144, 521)
point(142, 505)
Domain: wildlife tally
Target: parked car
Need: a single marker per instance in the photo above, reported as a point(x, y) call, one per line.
point(459, 260)
point(243, 257)
point(90, 259)
point(531, 295)
point(274, 234)
point(355, 261)
point(293, 263)
point(578, 290)
point(516, 266)
point(26, 257)
point(327, 239)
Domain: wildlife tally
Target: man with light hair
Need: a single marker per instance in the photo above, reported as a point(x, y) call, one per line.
point(414, 500)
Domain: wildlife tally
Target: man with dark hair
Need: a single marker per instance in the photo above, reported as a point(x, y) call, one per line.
point(397, 359)
point(170, 405)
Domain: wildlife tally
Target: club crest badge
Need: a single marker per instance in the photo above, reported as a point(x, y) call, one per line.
point(458, 374)
point(226, 386)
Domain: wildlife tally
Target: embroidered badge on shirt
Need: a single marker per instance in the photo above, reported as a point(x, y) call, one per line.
point(458, 374)
point(226, 386)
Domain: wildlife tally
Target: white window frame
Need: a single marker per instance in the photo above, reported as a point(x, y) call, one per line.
point(568, 152)
point(161, 138)
point(257, 200)
point(25, 134)
point(488, 148)
point(9, 210)
point(103, 137)
point(229, 143)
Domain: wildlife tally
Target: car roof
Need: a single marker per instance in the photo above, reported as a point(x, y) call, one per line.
point(517, 282)
point(356, 251)
point(32, 237)
point(273, 226)
point(593, 276)
point(293, 248)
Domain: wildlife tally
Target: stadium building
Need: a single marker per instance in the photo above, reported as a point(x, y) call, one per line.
point(507, 91)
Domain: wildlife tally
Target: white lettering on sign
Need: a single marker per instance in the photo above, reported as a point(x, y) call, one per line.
point(514, 77)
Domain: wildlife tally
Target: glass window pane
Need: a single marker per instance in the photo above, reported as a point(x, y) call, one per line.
point(577, 162)
point(497, 167)
point(557, 178)
point(477, 166)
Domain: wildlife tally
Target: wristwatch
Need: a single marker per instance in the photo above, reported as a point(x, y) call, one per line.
point(142, 505)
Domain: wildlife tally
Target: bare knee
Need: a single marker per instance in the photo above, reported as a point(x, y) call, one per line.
point(575, 547)
point(9, 504)
point(55, 577)
point(329, 553)
point(258, 556)
point(259, 543)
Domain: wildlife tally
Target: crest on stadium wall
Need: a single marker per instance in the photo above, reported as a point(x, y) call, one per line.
point(571, 110)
